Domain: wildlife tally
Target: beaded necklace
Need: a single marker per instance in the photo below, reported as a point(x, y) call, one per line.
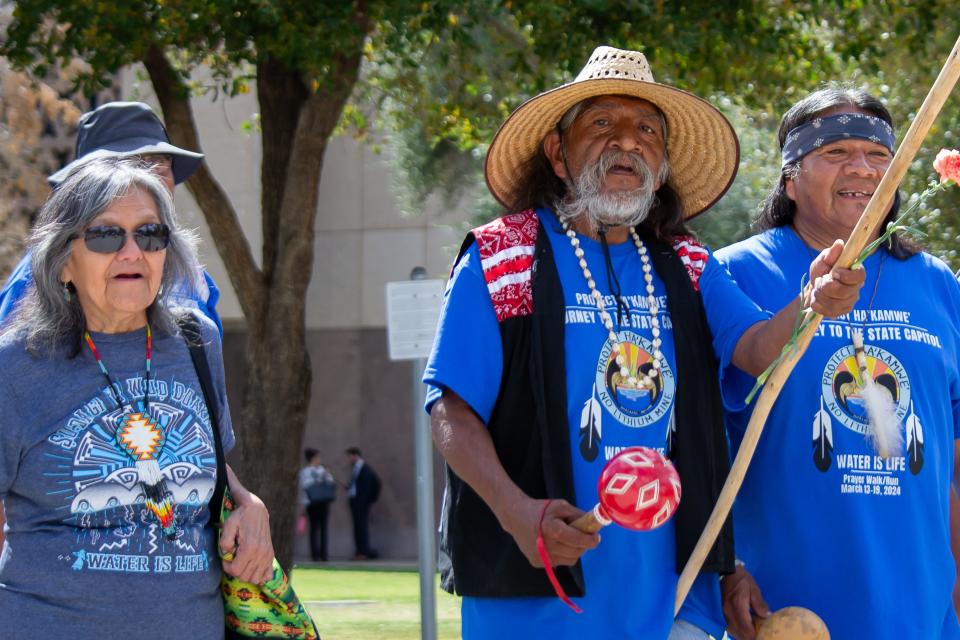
point(142, 438)
point(645, 381)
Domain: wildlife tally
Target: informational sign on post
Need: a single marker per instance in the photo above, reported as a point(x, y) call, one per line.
point(413, 308)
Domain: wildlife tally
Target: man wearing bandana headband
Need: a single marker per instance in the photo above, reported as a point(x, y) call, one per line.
point(828, 517)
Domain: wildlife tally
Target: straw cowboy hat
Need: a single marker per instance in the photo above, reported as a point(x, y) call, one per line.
point(702, 145)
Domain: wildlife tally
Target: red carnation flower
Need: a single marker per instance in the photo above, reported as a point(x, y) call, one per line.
point(947, 164)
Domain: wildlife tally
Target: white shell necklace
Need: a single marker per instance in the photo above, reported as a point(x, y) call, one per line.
point(627, 379)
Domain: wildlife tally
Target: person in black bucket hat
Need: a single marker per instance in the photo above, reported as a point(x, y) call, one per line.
point(126, 129)
point(122, 129)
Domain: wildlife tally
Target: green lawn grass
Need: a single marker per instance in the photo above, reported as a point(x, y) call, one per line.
point(392, 610)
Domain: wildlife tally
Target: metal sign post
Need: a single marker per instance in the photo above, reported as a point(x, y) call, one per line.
point(426, 527)
point(413, 308)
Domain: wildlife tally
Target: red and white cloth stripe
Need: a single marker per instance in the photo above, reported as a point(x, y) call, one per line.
point(506, 248)
point(694, 257)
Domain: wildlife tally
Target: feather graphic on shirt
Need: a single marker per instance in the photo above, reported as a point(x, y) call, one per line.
point(914, 442)
point(590, 429)
point(671, 431)
point(822, 438)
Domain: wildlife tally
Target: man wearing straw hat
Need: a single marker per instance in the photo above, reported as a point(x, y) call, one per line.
point(588, 321)
point(845, 508)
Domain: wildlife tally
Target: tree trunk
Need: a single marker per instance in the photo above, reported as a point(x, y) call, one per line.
point(296, 124)
point(277, 390)
point(232, 245)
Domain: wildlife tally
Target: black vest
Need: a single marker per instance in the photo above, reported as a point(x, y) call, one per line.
point(531, 436)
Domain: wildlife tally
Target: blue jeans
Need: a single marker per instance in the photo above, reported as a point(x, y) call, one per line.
point(683, 630)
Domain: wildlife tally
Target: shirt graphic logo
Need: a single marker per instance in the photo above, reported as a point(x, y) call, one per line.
point(631, 406)
point(842, 386)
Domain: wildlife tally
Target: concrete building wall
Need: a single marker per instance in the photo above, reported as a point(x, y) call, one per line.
point(359, 397)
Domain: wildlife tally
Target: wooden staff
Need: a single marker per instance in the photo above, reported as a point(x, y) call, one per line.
point(866, 227)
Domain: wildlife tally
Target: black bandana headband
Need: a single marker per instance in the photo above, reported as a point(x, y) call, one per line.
point(824, 130)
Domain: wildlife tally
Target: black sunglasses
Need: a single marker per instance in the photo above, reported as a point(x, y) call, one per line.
point(149, 237)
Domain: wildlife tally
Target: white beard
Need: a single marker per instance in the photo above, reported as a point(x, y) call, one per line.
point(612, 209)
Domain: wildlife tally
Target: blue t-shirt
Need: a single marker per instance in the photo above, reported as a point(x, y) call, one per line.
point(15, 287)
point(631, 576)
point(821, 521)
point(83, 555)
point(22, 276)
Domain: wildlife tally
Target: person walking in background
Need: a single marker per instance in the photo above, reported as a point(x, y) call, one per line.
point(317, 490)
point(363, 490)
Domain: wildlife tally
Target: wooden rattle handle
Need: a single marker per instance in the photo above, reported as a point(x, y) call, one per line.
point(591, 522)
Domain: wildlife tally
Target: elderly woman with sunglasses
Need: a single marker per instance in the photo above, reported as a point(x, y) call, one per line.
point(107, 458)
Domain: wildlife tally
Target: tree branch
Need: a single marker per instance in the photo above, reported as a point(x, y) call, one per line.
point(221, 217)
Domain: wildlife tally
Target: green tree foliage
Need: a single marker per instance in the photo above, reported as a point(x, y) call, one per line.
point(752, 59)
point(731, 219)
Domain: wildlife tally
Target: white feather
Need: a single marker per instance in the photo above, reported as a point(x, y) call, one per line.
point(822, 421)
point(914, 429)
point(822, 438)
point(149, 471)
point(884, 424)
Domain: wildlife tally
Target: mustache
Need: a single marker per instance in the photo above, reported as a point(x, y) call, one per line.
point(587, 200)
point(593, 174)
point(611, 158)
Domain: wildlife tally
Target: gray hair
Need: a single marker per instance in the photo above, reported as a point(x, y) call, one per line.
point(585, 198)
point(49, 313)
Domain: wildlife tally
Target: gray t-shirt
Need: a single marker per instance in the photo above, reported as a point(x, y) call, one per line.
point(83, 557)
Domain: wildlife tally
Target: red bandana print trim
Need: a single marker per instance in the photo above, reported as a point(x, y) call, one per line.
point(694, 257)
point(506, 248)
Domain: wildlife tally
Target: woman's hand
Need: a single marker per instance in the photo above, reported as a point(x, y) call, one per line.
point(246, 536)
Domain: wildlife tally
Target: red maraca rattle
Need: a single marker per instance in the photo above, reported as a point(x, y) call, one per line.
point(639, 489)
